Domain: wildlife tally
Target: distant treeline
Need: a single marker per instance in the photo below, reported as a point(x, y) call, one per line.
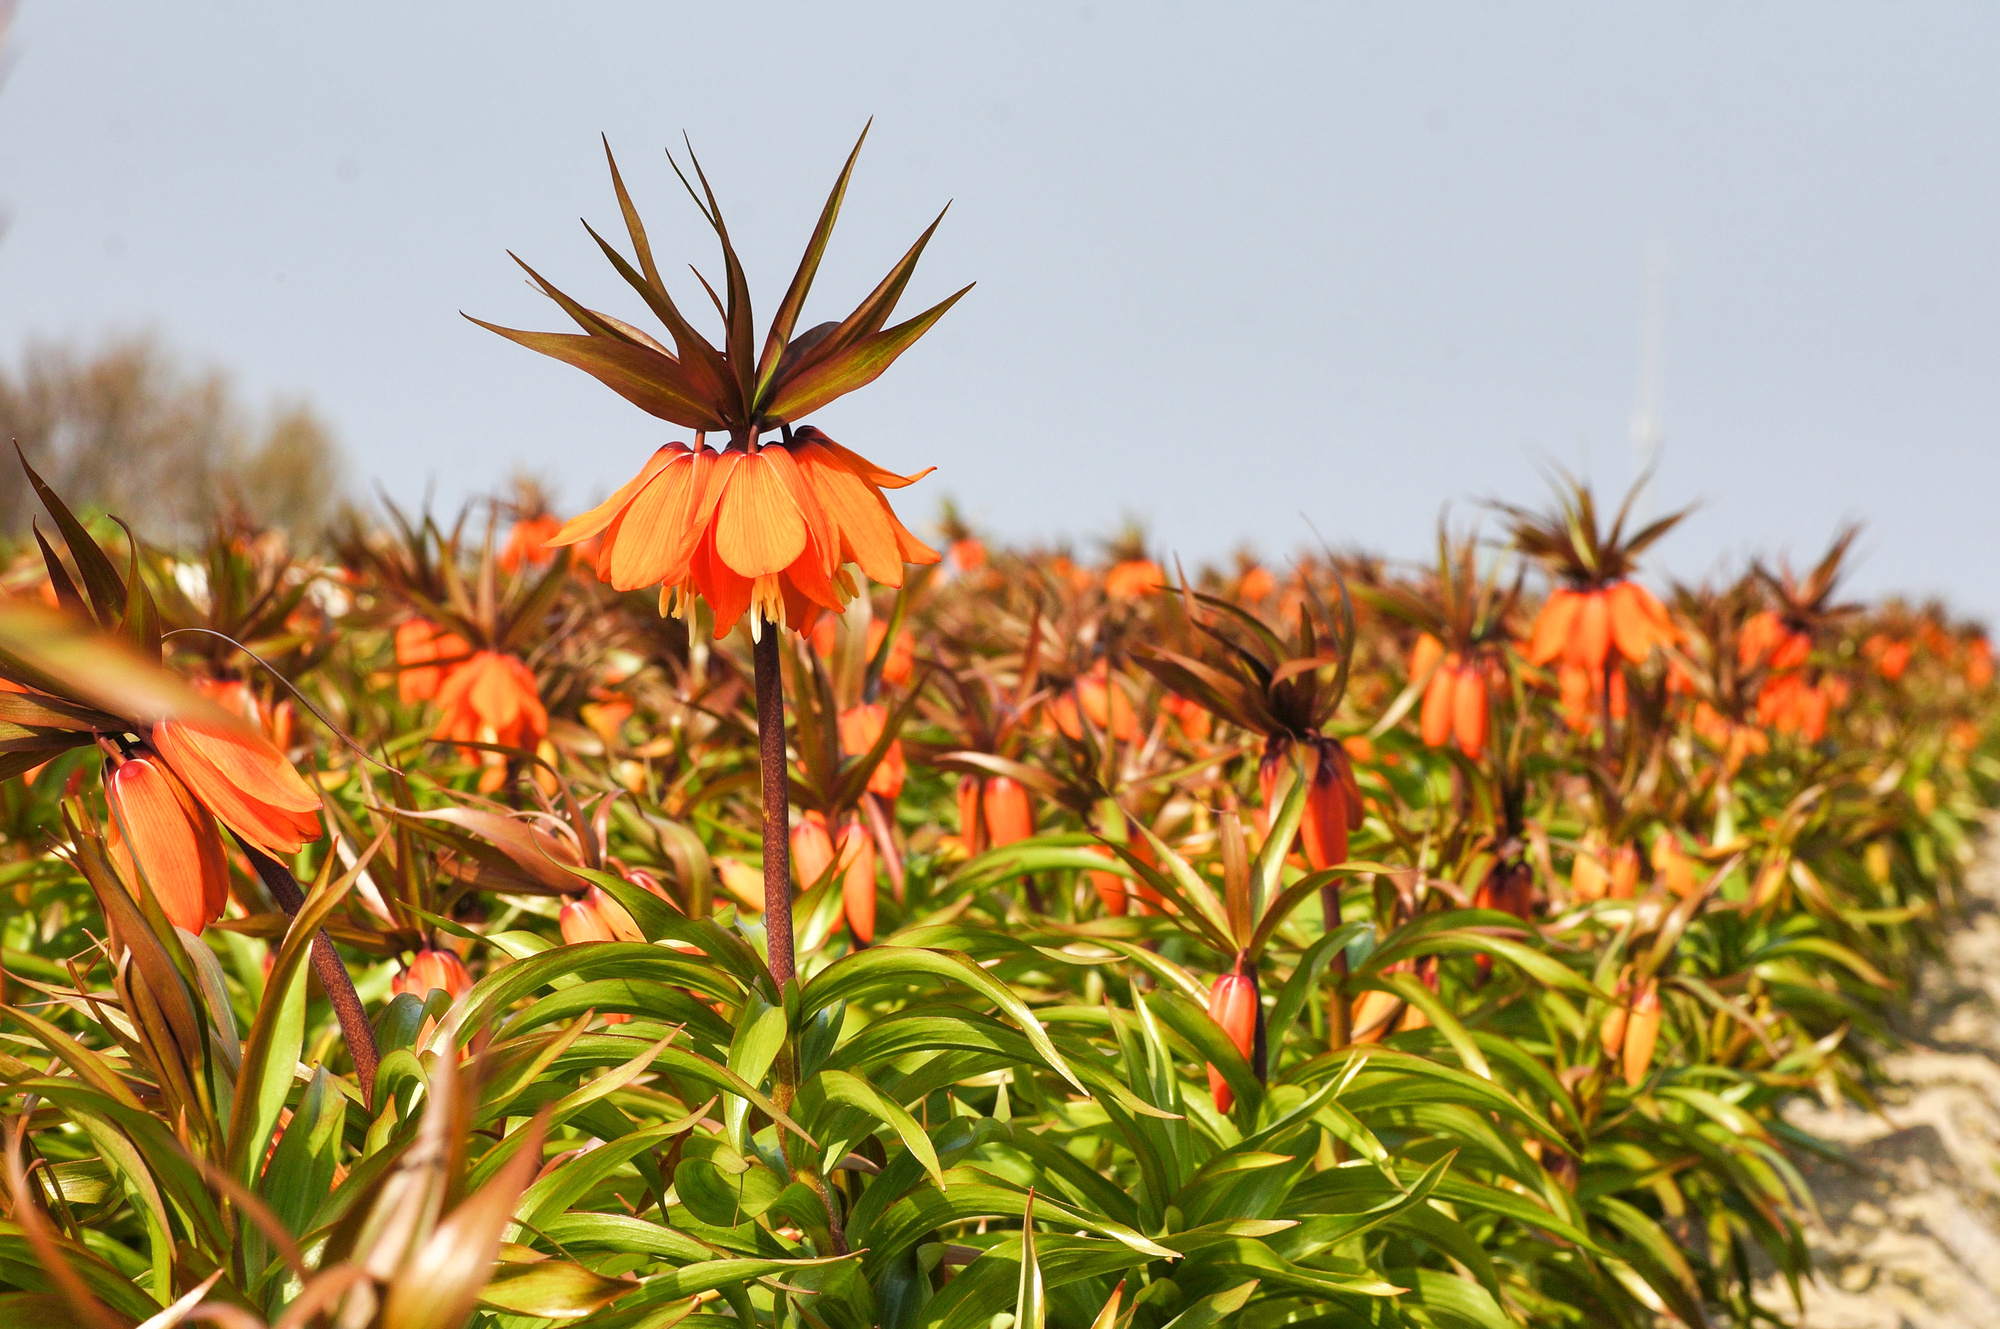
point(127, 427)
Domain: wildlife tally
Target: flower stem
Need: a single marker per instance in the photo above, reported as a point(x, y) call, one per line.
point(777, 816)
point(333, 975)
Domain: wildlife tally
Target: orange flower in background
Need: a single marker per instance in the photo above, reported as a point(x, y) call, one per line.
point(896, 666)
point(1102, 702)
point(1133, 578)
point(1333, 798)
point(1581, 690)
point(433, 970)
point(244, 781)
point(1455, 701)
point(1978, 663)
point(1584, 627)
point(1256, 585)
point(1791, 705)
point(1735, 741)
point(528, 543)
point(491, 698)
point(157, 830)
point(1672, 867)
point(1190, 715)
point(419, 642)
point(1890, 654)
point(860, 729)
point(968, 554)
point(1767, 640)
point(766, 532)
point(1232, 1004)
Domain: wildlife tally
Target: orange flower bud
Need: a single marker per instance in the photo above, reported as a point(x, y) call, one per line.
point(581, 922)
point(1588, 880)
point(433, 969)
point(1427, 652)
point(971, 828)
point(1671, 867)
point(1333, 807)
point(1624, 872)
point(1642, 1031)
point(812, 849)
point(1468, 712)
point(1611, 1029)
point(857, 880)
point(158, 830)
point(1439, 697)
point(1009, 817)
point(1232, 1004)
point(1110, 886)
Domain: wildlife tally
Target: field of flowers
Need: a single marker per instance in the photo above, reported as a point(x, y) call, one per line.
point(724, 909)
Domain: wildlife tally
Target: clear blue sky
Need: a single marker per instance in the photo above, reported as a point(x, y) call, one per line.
point(1239, 266)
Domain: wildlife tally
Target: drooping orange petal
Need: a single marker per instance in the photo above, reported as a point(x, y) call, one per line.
point(244, 781)
point(158, 830)
point(650, 536)
point(1632, 629)
point(758, 528)
point(859, 464)
point(1590, 634)
point(587, 524)
point(823, 536)
point(1552, 626)
point(726, 590)
point(867, 525)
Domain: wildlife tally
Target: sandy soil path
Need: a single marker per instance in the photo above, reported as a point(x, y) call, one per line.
point(1911, 1230)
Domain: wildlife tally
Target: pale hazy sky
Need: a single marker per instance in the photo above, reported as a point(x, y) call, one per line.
point(1239, 266)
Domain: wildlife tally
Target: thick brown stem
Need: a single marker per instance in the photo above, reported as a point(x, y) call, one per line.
point(777, 816)
point(1336, 967)
point(333, 975)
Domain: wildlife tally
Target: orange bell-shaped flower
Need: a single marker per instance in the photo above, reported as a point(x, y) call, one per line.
point(581, 921)
point(158, 831)
point(491, 698)
point(768, 530)
point(243, 780)
point(430, 970)
point(1232, 1004)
